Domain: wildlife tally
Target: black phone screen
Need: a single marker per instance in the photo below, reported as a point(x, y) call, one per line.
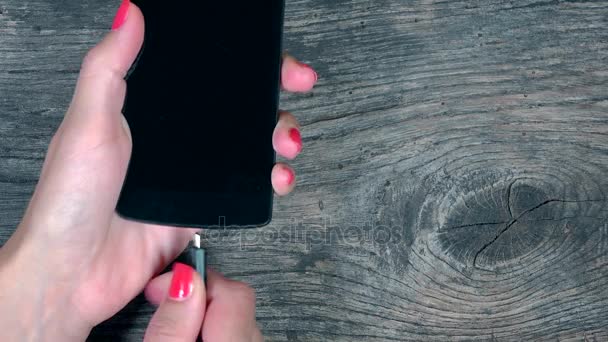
point(202, 105)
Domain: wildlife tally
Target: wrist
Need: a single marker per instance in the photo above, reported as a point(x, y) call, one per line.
point(33, 305)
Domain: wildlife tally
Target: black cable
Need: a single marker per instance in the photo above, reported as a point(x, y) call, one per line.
point(195, 256)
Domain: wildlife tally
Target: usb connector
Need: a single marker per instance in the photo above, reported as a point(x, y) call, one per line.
point(195, 256)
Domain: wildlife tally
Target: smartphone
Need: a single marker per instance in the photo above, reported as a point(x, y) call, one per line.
point(202, 104)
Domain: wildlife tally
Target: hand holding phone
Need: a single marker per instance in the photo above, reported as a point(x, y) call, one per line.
point(202, 104)
point(70, 223)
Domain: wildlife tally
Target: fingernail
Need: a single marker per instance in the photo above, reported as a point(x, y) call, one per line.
point(291, 176)
point(296, 137)
point(182, 282)
point(304, 65)
point(121, 14)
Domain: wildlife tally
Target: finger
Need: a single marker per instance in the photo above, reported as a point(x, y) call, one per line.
point(157, 288)
point(297, 76)
point(180, 315)
point(286, 139)
point(160, 245)
point(283, 179)
point(230, 312)
point(100, 89)
point(257, 336)
point(88, 156)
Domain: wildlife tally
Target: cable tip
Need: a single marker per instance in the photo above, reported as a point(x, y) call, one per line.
point(196, 241)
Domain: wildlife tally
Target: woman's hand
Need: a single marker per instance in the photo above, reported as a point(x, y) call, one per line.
point(73, 263)
point(224, 311)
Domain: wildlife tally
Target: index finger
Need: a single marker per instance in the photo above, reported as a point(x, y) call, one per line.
point(230, 312)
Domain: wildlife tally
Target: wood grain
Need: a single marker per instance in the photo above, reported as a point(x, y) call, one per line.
point(453, 184)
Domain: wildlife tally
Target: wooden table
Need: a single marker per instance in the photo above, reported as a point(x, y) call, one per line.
point(453, 184)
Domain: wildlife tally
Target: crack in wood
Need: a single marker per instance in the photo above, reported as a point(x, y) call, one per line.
point(502, 231)
point(509, 198)
point(471, 225)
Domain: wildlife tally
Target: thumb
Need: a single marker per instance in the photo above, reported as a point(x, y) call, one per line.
point(100, 91)
point(88, 156)
point(180, 316)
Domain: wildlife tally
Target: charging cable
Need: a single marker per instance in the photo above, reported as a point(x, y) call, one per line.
point(195, 256)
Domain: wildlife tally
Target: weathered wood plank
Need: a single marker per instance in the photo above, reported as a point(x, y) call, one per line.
point(453, 183)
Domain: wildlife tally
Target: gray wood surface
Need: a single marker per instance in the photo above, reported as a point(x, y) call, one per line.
point(454, 178)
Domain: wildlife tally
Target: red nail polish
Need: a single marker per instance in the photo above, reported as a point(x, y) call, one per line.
point(121, 14)
point(182, 282)
point(291, 177)
point(304, 65)
point(294, 135)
